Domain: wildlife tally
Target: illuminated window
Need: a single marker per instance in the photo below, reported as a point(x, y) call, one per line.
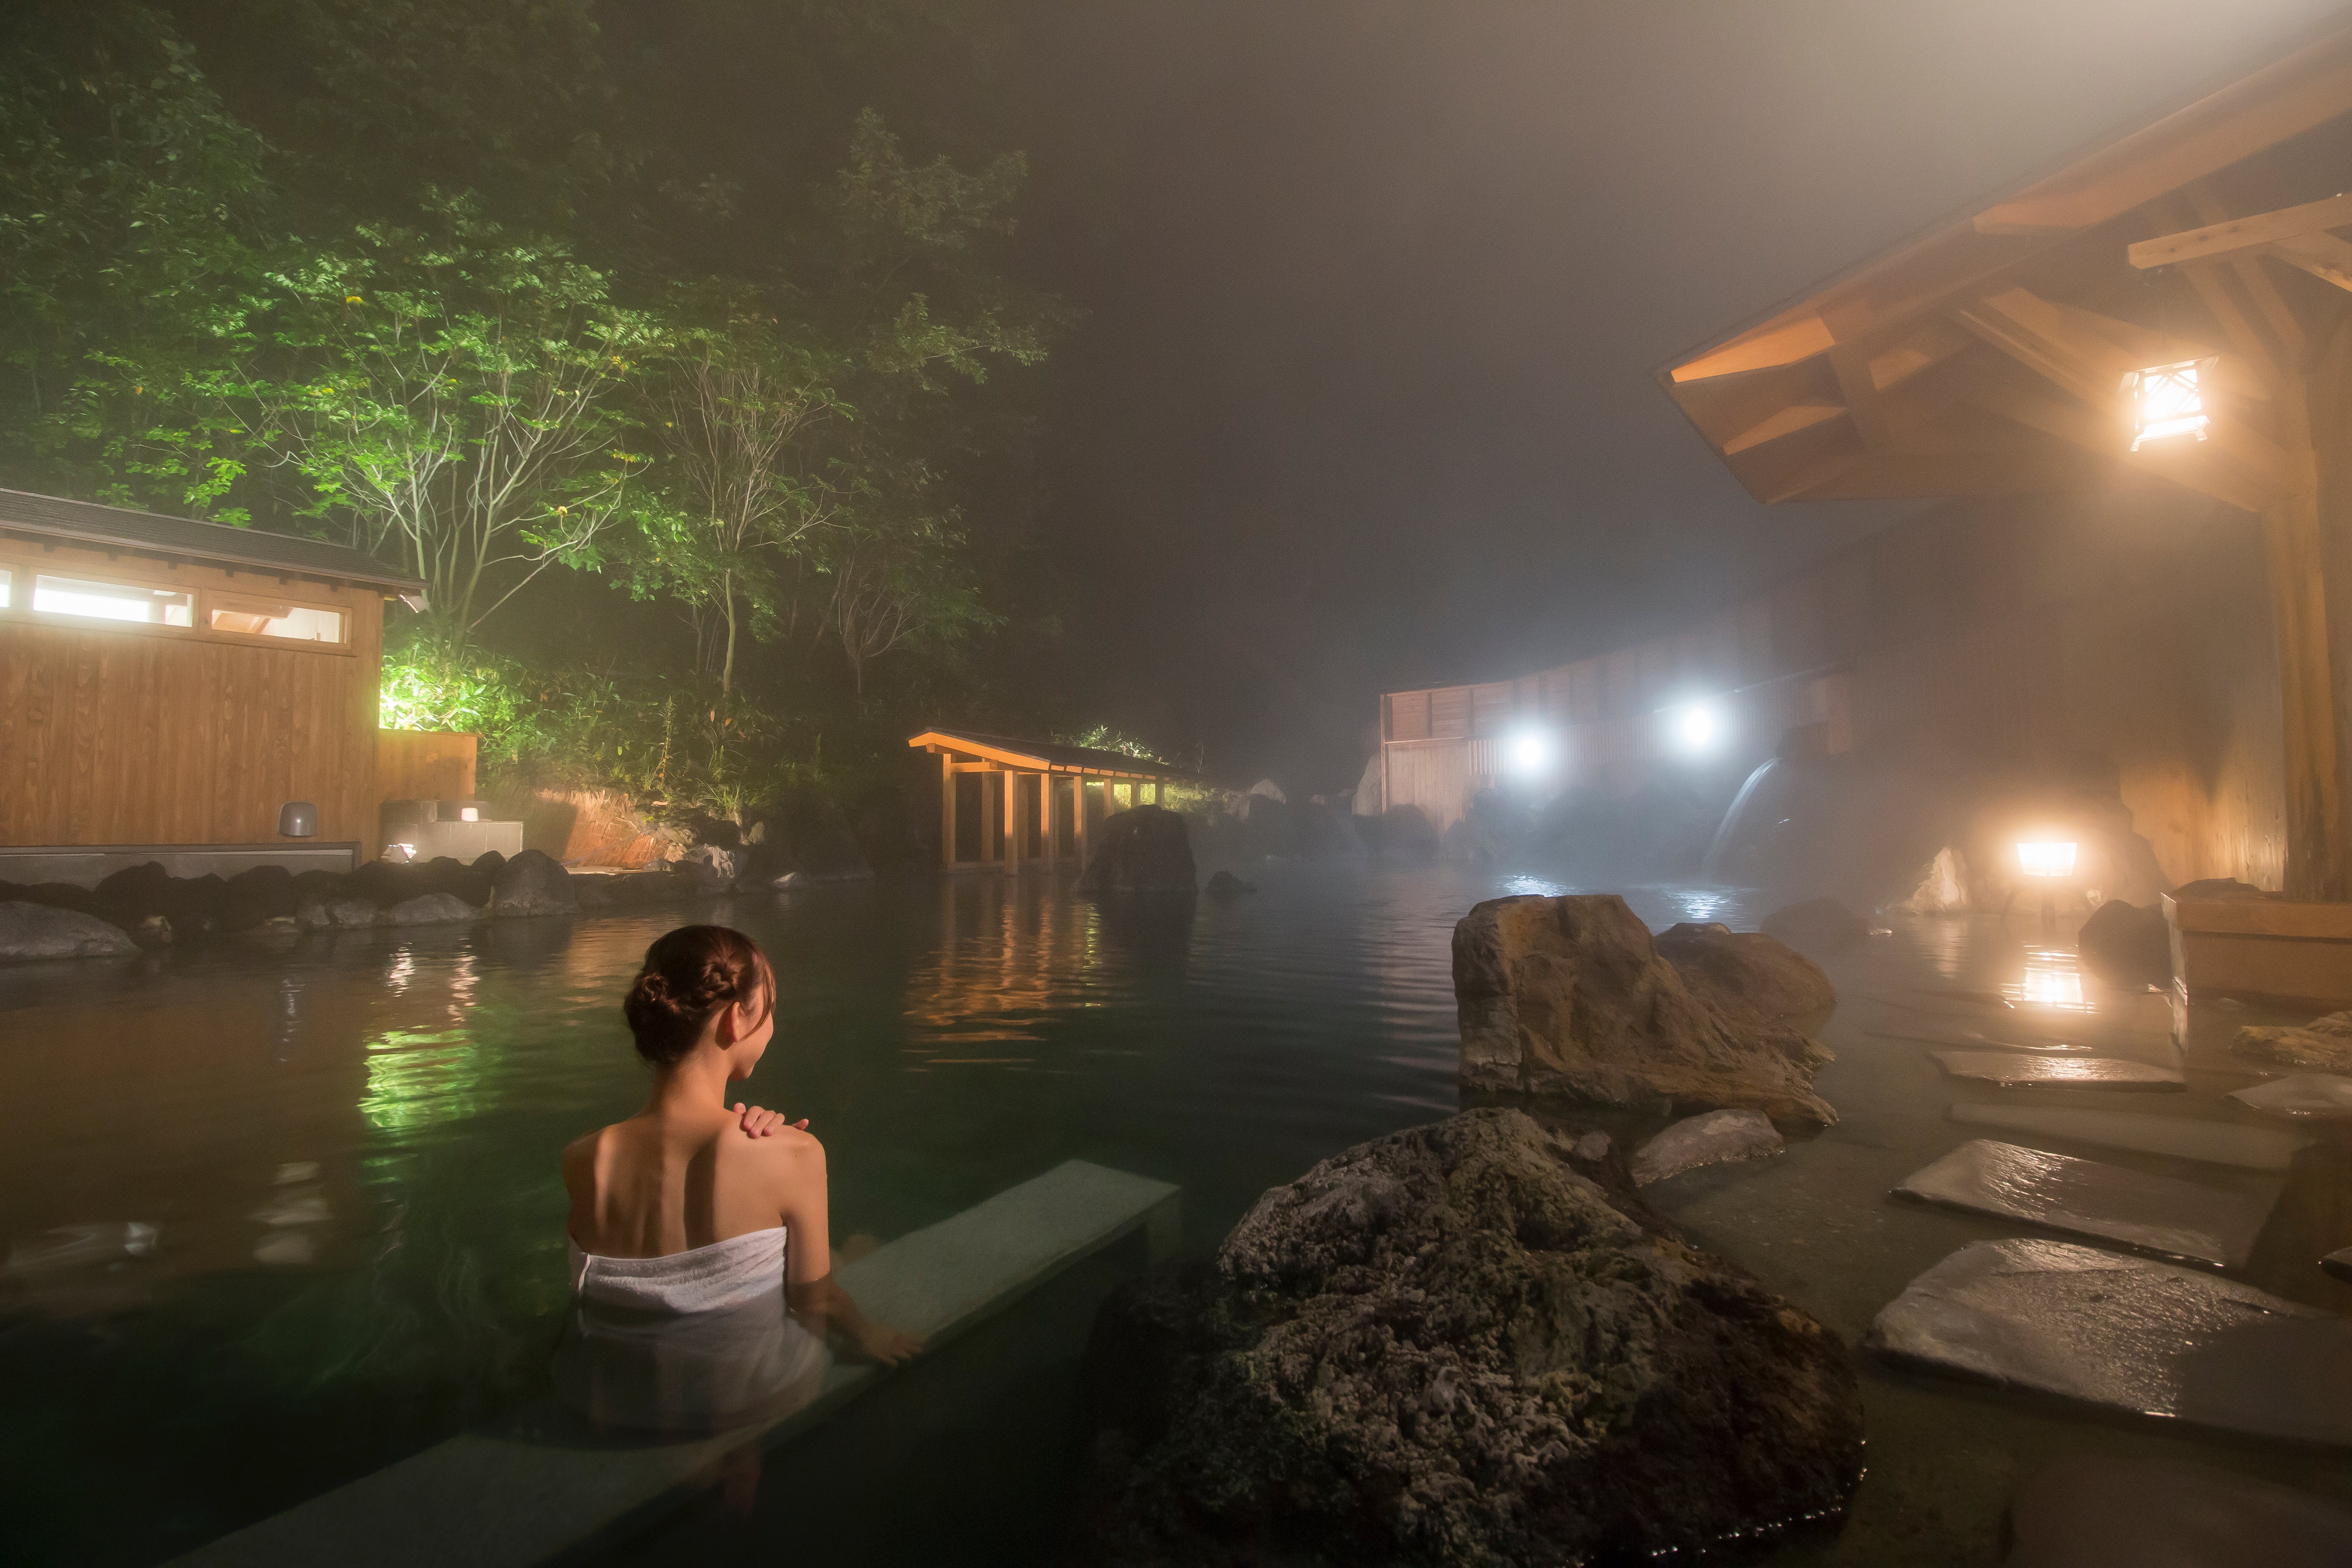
point(295, 621)
point(2167, 402)
point(93, 600)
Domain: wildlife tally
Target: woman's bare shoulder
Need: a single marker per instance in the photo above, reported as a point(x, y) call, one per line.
point(580, 1158)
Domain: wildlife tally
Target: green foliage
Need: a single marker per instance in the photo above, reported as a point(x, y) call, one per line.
point(1103, 738)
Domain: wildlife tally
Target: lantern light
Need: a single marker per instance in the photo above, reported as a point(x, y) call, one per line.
point(2047, 858)
point(2168, 400)
point(1695, 727)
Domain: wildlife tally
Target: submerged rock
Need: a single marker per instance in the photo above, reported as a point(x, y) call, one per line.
point(1817, 925)
point(532, 884)
point(2319, 1096)
point(1570, 997)
point(1714, 1139)
point(2127, 940)
point(2103, 1510)
point(2016, 1069)
point(2128, 1333)
point(2156, 1213)
point(1144, 849)
point(1226, 885)
point(1446, 1346)
point(1749, 973)
point(2324, 1043)
point(30, 931)
point(431, 909)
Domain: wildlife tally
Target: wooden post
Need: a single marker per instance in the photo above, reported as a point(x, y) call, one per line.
point(1078, 818)
point(1011, 795)
point(1051, 787)
point(2320, 543)
point(947, 809)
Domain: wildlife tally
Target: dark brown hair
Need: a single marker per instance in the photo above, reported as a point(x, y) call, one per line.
point(688, 975)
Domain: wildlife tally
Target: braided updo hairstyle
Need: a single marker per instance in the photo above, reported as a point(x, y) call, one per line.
point(689, 974)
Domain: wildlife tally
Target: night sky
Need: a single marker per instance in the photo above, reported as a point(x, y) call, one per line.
point(1378, 291)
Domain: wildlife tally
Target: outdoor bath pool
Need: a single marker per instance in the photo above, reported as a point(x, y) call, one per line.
point(347, 1148)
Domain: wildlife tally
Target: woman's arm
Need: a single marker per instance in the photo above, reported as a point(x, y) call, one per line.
point(822, 1305)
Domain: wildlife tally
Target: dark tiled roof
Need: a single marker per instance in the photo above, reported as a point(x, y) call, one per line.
point(89, 523)
point(1086, 757)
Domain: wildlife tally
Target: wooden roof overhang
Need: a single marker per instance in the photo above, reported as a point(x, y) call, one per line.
point(115, 528)
point(1043, 756)
point(1987, 354)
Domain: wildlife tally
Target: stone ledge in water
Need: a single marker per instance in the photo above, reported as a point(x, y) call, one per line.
point(2321, 1096)
point(2128, 1333)
point(34, 931)
point(2215, 1142)
point(2020, 1071)
point(2339, 1263)
point(2324, 1043)
point(1448, 1346)
point(2101, 1510)
point(2156, 1213)
point(1571, 996)
point(1714, 1139)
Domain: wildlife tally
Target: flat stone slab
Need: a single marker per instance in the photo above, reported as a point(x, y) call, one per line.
point(2129, 1334)
point(2016, 1071)
point(2339, 1263)
point(2101, 1510)
point(2322, 1097)
point(1709, 1139)
point(2156, 1213)
point(2215, 1142)
point(526, 1491)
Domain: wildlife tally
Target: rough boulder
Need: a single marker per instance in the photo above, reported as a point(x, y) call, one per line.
point(30, 931)
point(1144, 850)
point(1749, 975)
point(532, 884)
point(2324, 1043)
point(1448, 1346)
point(1570, 996)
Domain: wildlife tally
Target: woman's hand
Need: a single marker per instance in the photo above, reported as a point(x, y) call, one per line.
point(881, 1342)
point(762, 1123)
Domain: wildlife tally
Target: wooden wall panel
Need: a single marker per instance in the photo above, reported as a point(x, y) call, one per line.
point(423, 765)
point(144, 737)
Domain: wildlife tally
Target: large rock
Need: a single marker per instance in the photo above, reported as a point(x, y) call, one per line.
point(431, 909)
point(1747, 973)
point(1141, 850)
point(1570, 997)
point(30, 931)
point(1448, 1346)
point(2324, 1043)
point(532, 884)
point(2125, 940)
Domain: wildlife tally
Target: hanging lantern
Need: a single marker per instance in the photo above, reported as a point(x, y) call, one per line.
point(2168, 400)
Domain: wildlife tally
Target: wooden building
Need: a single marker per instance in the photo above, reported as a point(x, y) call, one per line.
point(1011, 805)
point(2166, 313)
point(167, 685)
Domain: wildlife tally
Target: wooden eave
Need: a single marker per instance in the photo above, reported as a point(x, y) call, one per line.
point(999, 754)
point(1985, 354)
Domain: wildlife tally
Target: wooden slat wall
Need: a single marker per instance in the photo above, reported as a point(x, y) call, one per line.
point(110, 737)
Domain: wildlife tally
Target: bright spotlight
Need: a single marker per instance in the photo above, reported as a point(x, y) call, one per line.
point(1695, 727)
point(1530, 751)
point(2047, 858)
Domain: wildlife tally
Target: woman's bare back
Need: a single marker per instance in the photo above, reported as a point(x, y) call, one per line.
point(664, 1183)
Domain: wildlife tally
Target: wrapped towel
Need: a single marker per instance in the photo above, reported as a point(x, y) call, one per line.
point(710, 1278)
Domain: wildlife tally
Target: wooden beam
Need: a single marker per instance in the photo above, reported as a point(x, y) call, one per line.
point(1787, 421)
point(2257, 285)
point(2323, 255)
point(1861, 393)
point(2229, 236)
point(2037, 334)
point(1773, 344)
point(1936, 341)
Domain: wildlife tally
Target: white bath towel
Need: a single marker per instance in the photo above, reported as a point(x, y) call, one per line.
point(700, 1280)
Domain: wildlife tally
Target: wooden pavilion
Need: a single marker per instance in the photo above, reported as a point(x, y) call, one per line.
point(2170, 308)
point(1011, 805)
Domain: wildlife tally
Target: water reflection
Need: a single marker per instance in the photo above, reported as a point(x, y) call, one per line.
point(2052, 978)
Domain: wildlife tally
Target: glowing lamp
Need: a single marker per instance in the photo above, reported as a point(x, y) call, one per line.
point(2046, 858)
point(1530, 751)
point(1695, 727)
point(2166, 401)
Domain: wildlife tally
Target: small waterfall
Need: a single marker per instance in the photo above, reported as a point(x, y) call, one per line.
point(1730, 824)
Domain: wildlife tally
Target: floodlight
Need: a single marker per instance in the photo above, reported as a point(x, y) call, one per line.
point(2046, 858)
point(1695, 727)
point(1530, 751)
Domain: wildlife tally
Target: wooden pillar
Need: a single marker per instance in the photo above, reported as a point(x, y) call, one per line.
point(947, 809)
point(1051, 787)
point(1011, 795)
point(2311, 564)
point(1078, 818)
